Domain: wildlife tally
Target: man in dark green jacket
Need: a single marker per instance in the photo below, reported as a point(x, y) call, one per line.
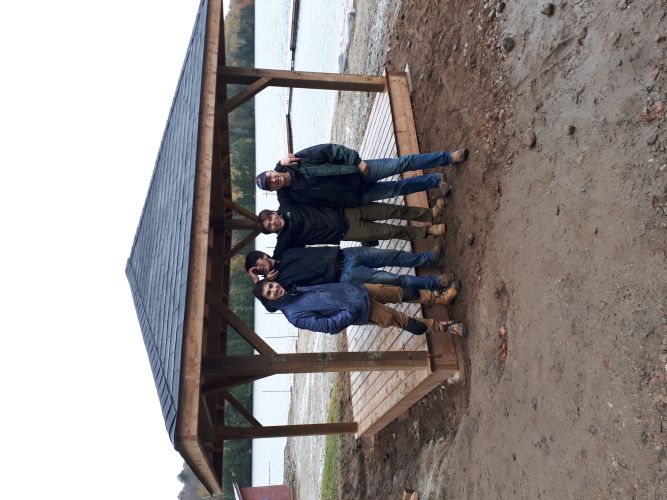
point(335, 176)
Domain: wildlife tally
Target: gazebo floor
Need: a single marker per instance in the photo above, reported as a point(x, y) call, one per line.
point(380, 397)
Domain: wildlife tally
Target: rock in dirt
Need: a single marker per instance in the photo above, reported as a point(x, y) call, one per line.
point(548, 9)
point(593, 430)
point(660, 38)
point(470, 239)
point(529, 138)
point(507, 44)
point(570, 129)
point(500, 7)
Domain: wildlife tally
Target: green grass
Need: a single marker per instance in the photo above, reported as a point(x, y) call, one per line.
point(330, 469)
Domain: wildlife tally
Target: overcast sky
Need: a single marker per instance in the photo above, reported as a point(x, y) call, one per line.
point(86, 90)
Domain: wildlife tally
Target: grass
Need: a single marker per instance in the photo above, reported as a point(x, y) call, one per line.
point(330, 469)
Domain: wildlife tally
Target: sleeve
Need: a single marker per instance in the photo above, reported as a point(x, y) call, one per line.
point(330, 153)
point(317, 322)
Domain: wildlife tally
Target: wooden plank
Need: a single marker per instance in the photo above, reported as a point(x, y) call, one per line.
point(237, 324)
point(238, 406)
point(314, 362)
point(219, 384)
point(294, 26)
point(241, 245)
point(242, 210)
point(226, 432)
point(378, 398)
point(187, 441)
point(303, 79)
point(253, 89)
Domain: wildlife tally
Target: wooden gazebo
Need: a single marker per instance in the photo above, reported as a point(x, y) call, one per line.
point(179, 266)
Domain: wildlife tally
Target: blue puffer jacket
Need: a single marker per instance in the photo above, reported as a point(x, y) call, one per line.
point(327, 308)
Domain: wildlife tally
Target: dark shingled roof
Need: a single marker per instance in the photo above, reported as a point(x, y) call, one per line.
point(157, 268)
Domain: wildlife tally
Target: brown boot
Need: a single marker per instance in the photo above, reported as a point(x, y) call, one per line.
point(448, 296)
point(438, 248)
point(444, 188)
point(445, 280)
point(455, 328)
point(438, 211)
point(460, 155)
point(436, 230)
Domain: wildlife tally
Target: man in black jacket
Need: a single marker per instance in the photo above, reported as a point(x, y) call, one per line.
point(335, 176)
point(301, 225)
point(318, 265)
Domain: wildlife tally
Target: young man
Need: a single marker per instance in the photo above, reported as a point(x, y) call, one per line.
point(318, 265)
point(332, 307)
point(336, 176)
point(301, 225)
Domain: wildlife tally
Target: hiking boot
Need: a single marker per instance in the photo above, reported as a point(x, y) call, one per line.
point(438, 248)
point(445, 280)
point(455, 328)
point(438, 211)
point(436, 230)
point(460, 155)
point(448, 295)
point(444, 186)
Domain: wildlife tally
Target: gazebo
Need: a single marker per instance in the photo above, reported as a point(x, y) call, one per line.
point(179, 265)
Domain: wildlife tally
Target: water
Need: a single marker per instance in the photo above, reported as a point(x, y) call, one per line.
point(321, 46)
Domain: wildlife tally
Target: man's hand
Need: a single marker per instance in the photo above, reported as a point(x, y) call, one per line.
point(288, 159)
point(253, 275)
point(363, 167)
point(271, 275)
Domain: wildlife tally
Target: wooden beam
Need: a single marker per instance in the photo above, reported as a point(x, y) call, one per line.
point(238, 406)
point(222, 383)
point(225, 432)
point(187, 439)
point(220, 224)
point(241, 245)
point(313, 362)
point(303, 79)
point(237, 324)
point(254, 88)
point(242, 211)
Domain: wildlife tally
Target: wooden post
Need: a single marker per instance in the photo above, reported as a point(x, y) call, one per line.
point(225, 432)
point(309, 362)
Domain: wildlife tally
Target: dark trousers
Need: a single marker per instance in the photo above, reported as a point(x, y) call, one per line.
point(362, 225)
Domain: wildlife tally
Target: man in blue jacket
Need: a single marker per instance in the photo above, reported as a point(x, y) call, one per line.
point(332, 307)
point(318, 265)
point(336, 176)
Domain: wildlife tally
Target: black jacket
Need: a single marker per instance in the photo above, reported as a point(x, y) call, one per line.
point(308, 225)
point(308, 266)
point(326, 175)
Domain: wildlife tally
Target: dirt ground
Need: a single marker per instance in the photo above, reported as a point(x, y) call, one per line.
point(569, 251)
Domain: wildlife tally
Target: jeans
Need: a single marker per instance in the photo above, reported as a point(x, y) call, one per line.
point(387, 167)
point(361, 263)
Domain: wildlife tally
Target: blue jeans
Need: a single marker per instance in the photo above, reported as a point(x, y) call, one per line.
point(387, 167)
point(361, 263)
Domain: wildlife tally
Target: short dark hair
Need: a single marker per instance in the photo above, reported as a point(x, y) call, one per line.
point(261, 217)
point(257, 289)
point(252, 257)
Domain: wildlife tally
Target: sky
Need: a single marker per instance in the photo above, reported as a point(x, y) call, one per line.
point(86, 90)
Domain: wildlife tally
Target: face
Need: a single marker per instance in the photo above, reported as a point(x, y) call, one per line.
point(274, 181)
point(263, 265)
point(272, 290)
point(273, 223)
